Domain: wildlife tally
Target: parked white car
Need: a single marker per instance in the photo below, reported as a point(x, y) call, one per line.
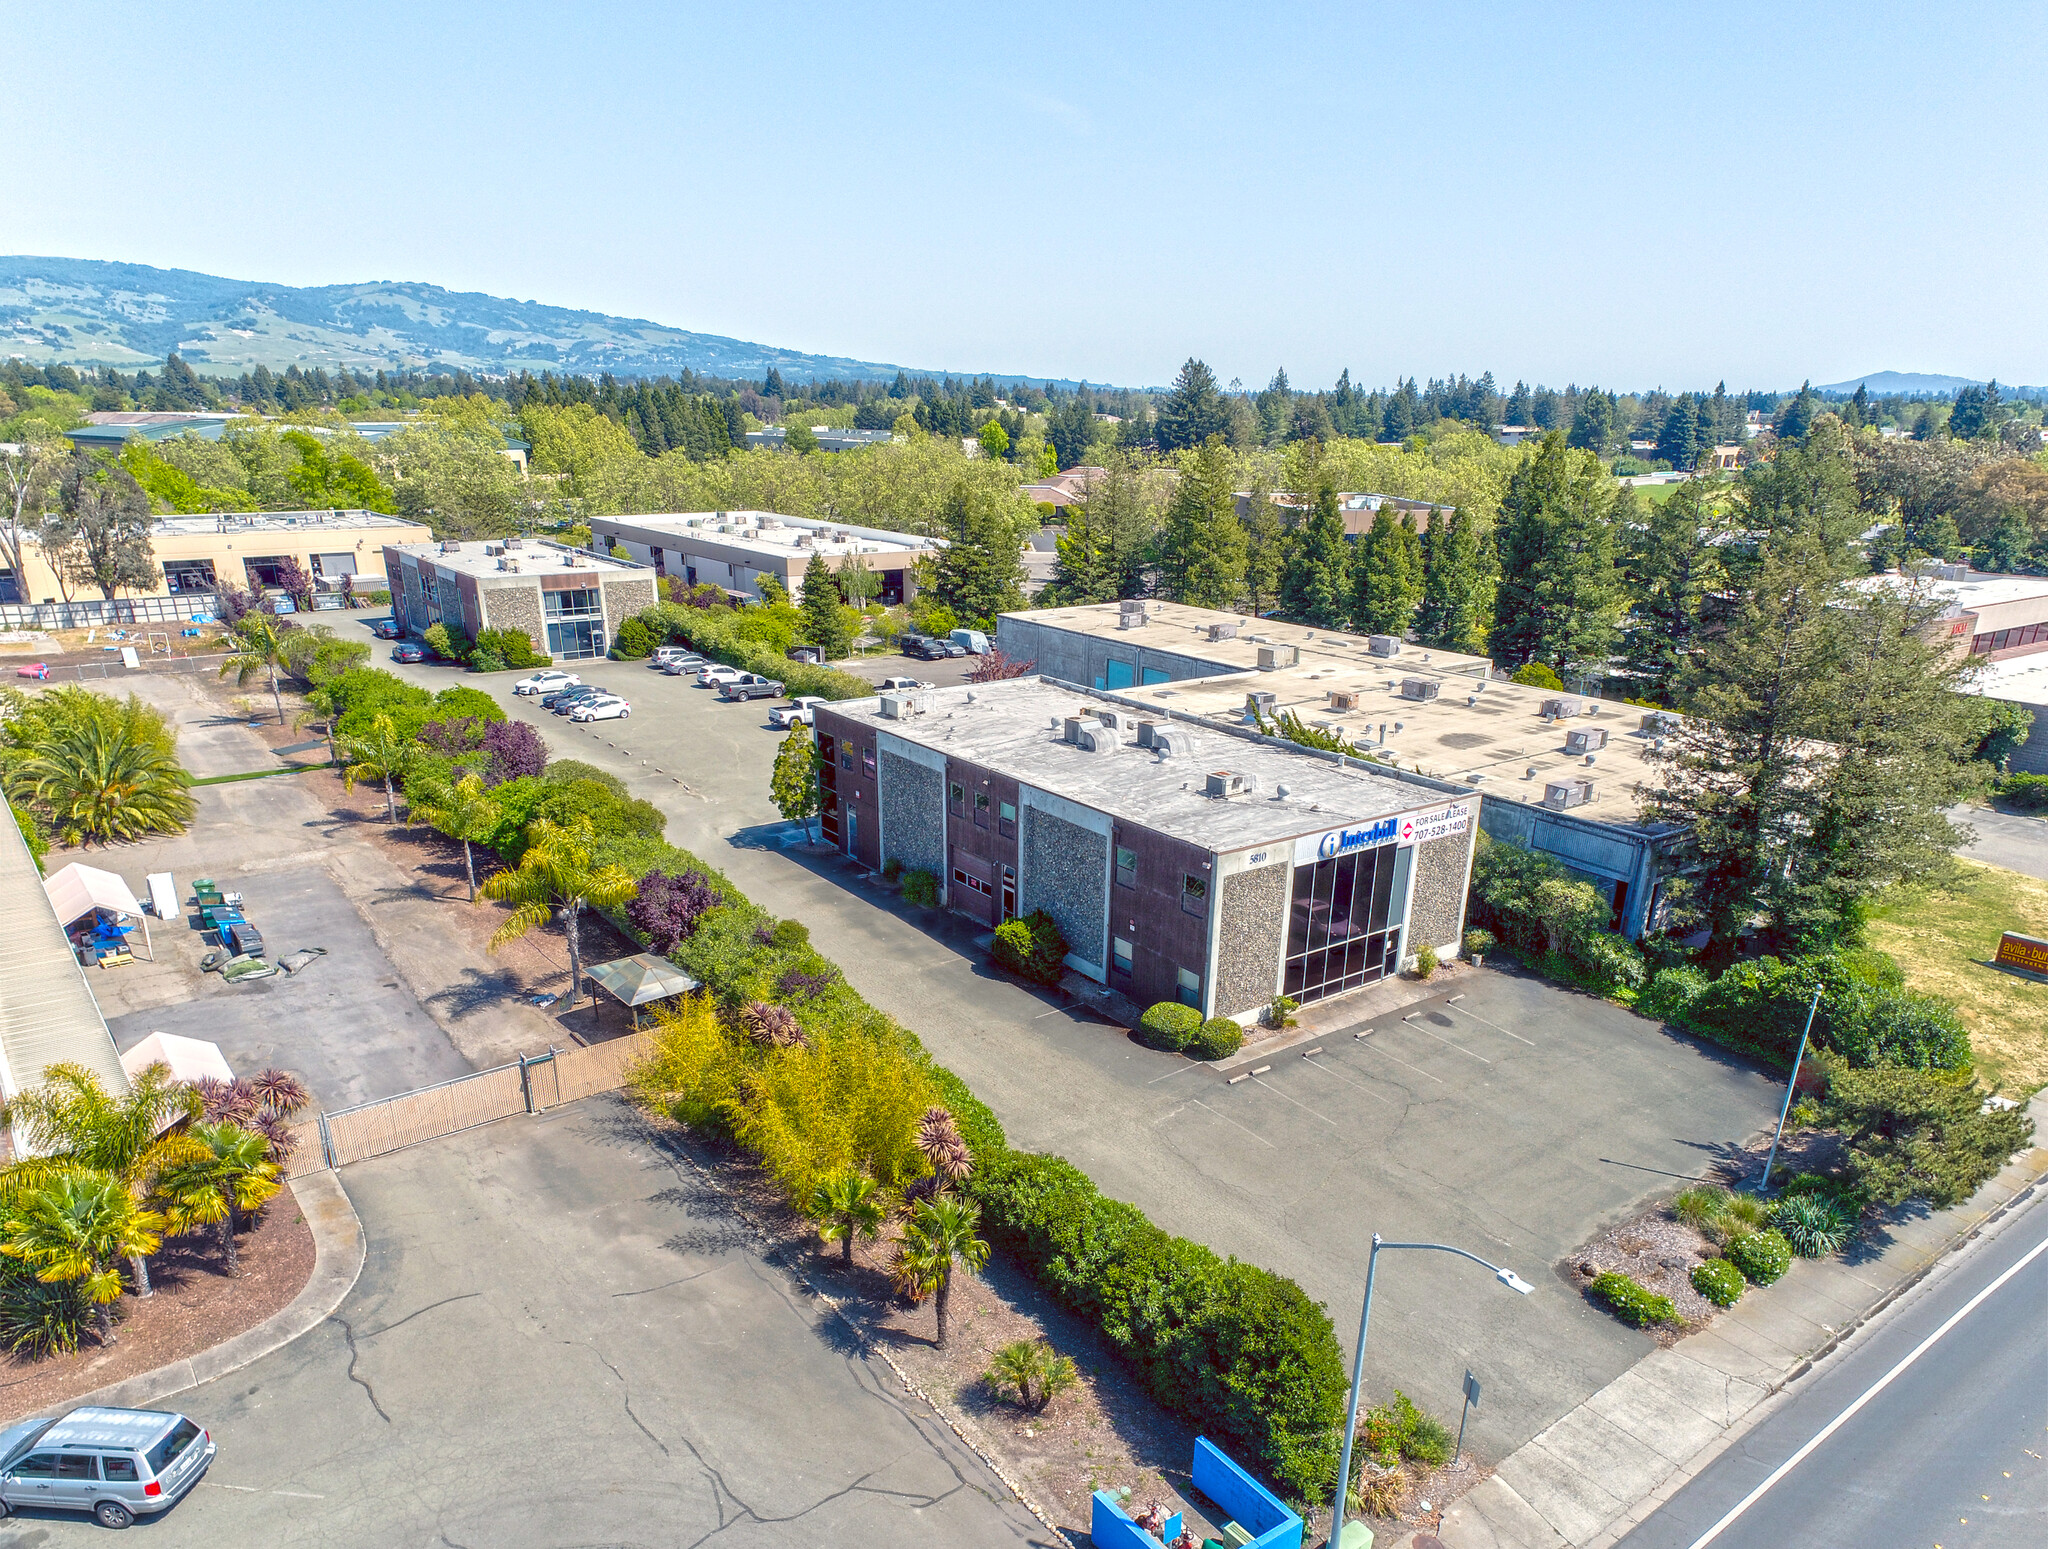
point(663, 655)
point(797, 710)
point(898, 685)
point(609, 708)
point(718, 673)
point(546, 682)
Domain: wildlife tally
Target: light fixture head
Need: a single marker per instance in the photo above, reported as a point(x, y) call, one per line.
point(1514, 1282)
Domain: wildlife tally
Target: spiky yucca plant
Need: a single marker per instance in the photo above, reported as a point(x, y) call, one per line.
point(772, 1026)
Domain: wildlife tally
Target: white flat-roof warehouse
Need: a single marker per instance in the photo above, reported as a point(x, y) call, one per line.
point(736, 549)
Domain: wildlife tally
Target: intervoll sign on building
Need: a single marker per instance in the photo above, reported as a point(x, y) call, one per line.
point(1420, 829)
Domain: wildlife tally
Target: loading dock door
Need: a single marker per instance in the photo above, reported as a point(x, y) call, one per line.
point(973, 890)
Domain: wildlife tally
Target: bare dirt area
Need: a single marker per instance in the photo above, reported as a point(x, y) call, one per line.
point(196, 1306)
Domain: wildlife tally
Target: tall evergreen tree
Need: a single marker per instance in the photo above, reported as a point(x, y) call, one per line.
point(1679, 435)
point(1202, 545)
point(980, 572)
point(1386, 577)
point(1194, 411)
point(1315, 580)
point(1457, 584)
point(1556, 602)
point(1265, 549)
point(1594, 423)
point(824, 624)
point(1672, 565)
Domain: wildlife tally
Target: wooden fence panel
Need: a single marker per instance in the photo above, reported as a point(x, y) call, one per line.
point(599, 1068)
point(356, 1134)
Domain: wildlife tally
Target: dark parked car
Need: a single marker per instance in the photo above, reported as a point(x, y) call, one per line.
point(245, 939)
point(406, 651)
point(750, 685)
point(385, 629)
point(806, 653)
point(927, 649)
point(564, 700)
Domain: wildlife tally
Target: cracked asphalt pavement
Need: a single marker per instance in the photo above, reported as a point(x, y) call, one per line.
point(562, 1337)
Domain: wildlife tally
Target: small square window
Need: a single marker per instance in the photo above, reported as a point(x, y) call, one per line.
point(1190, 988)
point(956, 793)
point(1006, 818)
point(1126, 867)
point(1121, 960)
point(1194, 894)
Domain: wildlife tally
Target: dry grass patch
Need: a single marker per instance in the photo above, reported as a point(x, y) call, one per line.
point(1945, 943)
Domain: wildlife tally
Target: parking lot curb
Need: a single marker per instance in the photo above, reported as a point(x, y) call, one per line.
point(339, 1249)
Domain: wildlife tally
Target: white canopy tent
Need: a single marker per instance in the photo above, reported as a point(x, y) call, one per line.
point(79, 890)
point(189, 1059)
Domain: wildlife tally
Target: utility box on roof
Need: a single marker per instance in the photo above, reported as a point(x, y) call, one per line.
point(1420, 688)
point(1588, 739)
point(1273, 657)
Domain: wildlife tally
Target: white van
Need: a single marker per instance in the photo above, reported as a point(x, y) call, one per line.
point(972, 641)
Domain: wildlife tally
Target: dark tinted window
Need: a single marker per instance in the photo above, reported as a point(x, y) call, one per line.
point(77, 1465)
point(37, 1465)
point(117, 1469)
point(161, 1455)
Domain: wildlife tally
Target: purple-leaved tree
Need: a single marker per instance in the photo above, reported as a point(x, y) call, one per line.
point(668, 908)
point(515, 751)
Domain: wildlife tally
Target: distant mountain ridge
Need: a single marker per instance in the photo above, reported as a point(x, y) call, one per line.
point(1881, 382)
point(89, 312)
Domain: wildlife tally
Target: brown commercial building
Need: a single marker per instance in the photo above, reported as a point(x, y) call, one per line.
point(569, 602)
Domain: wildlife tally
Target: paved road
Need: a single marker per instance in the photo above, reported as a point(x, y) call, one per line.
point(1522, 1122)
point(1949, 1454)
point(562, 1336)
point(2009, 839)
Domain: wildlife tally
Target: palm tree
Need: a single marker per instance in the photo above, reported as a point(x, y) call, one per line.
point(75, 1226)
point(105, 778)
point(555, 873)
point(465, 811)
point(379, 752)
point(848, 1205)
point(941, 1233)
point(236, 1174)
point(262, 650)
point(71, 1123)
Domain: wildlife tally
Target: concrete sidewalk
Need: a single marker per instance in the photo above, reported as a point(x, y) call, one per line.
point(1598, 1471)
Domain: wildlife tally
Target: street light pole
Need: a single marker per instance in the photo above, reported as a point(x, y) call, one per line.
point(1790, 1087)
point(1506, 1277)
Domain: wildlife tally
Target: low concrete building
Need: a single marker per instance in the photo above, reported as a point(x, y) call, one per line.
point(1114, 645)
point(1558, 773)
point(196, 553)
point(2022, 682)
point(775, 438)
point(1182, 861)
point(735, 549)
point(570, 603)
point(111, 430)
point(1993, 617)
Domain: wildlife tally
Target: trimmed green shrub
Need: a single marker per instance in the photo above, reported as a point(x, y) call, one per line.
point(1397, 1430)
point(483, 659)
point(921, 888)
point(449, 644)
point(790, 935)
point(1762, 1005)
point(1633, 1302)
point(753, 640)
point(1921, 1134)
point(562, 770)
point(1719, 1281)
point(1168, 1025)
point(1613, 959)
point(1761, 1256)
point(1032, 947)
point(1425, 961)
point(634, 641)
point(1815, 1226)
point(1671, 993)
point(2026, 791)
point(1216, 1039)
point(514, 647)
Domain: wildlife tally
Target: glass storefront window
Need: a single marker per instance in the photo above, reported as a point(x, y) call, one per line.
point(1337, 936)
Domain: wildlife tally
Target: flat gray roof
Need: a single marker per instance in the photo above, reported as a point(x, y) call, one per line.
point(225, 522)
point(534, 557)
point(768, 533)
point(1009, 727)
point(47, 1012)
point(1174, 626)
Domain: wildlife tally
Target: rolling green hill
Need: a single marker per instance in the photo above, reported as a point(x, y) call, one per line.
point(86, 312)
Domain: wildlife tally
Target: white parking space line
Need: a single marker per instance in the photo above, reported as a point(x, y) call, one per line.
point(1475, 1016)
point(1369, 1092)
point(1180, 1070)
point(1410, 1021)
point(1304, 1107)
point(1227, 1119)
point(250, 1489)
point(1368, 1043)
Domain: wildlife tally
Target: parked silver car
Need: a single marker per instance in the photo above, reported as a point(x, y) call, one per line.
point(118, 1464)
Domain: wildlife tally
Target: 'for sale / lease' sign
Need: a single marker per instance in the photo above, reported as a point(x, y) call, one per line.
point(2028, 954)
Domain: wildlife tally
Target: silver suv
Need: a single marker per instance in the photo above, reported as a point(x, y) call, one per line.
point(118, 1464)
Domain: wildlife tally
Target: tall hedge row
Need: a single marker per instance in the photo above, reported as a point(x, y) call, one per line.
point(715, 632)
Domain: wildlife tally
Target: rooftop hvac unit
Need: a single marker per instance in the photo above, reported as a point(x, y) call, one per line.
point(1168, 742)
point(1659, 723)
point(1097, 738)
point(1258, 703)
point(899, 707)
point(1343, 699)
point(515, 543)
point(509, 562)
point(1071, 730)
point(1420, 688)
point(1383, 645)
point(1272, 657)
point(1130, 615)
point(1225, 782)
point(450, 546)
point(1587, 740)
point(1121, 720)
point(494, 548)
point(805, 541)
point(1560, 708)
point(1223, 631)
point(1560, 794)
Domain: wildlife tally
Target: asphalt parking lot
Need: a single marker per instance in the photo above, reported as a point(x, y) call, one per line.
point(562, 1336)
point(1517, 1124)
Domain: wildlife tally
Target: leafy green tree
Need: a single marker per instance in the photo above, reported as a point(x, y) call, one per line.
point(76, 1227)
point(800, 438)
point(556, 876)
point(105, 519)
point(793, 783)
point(1386, 577)
point(995, 441)
point(1315, 581)
point(942, 1233)
point(847, 1205)
point(234, 1174)
point(1265, 549)
point(1193, 411)
point(465, 811)
point(1457, 584)
point(1978, 412)
point(1674, 573)
point(1595, 427)
point(1202, 545)
point(331, 480)
point(857, 582)
point(72, 1123)
point(1557, 600)
point(380, 751)
point(28, 471)
point(257, 648)
point(824, 624)
point(980, 572)
point(1113, 527)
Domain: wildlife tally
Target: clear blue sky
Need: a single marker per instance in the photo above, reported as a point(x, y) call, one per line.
point(1629, 194)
